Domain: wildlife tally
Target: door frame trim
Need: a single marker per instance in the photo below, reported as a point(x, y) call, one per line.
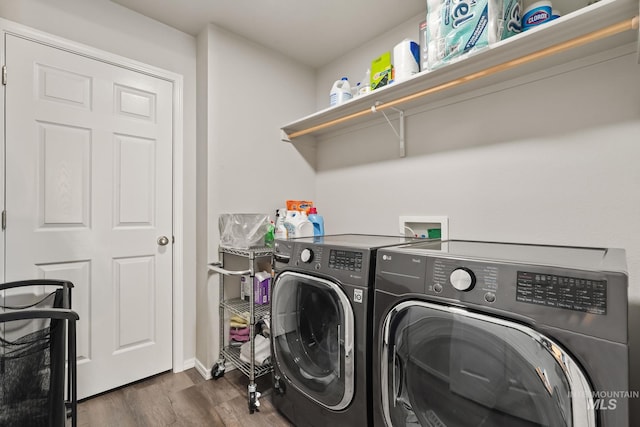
point(177, 81)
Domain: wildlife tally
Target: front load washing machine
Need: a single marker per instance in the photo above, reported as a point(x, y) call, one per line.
point(493, 334)
point(321, 323)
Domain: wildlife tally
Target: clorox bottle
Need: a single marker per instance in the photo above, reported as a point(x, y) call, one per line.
point(340, 92)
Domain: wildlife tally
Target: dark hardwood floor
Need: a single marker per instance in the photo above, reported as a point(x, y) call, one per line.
point(182, 399)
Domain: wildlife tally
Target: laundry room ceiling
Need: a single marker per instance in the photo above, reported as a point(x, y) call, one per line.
point(314, 32)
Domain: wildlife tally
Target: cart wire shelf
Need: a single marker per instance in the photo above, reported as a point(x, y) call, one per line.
point(256, 252)
point(233, 354)
point(241, 308)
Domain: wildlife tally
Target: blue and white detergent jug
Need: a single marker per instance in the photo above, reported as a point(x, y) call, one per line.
point(340, 92)
point(317, 221)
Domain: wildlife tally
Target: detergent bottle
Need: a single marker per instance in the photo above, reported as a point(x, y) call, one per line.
point(304, 227)
point(317, 221)
point(290, 223)
point(340, 92)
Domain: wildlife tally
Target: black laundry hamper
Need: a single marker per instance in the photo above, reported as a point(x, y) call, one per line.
point(38, 355)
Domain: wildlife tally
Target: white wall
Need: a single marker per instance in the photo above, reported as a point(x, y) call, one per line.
point(112, 28)
point(549, 161)
point(251, 92)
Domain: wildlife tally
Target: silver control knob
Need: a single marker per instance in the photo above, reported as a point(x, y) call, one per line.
point(306, 255)
point(462, 279)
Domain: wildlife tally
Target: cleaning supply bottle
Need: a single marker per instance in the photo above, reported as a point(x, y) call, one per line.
point(290, 223)
point(340, 92)
point(317, 221)
point(304, 227)
point(364, 87)
point(355, 90)
point(270, 236)
point(280, 231)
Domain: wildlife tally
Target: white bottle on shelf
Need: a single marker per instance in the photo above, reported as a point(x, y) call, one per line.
point(364, 87)
point(304, 227)
point(340, 92)
point(290, 223)
point(281, 230)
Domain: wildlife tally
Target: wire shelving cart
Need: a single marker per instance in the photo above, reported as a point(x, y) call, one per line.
point(256, 259)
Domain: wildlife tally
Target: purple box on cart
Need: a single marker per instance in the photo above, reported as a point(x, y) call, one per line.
point(262, 287)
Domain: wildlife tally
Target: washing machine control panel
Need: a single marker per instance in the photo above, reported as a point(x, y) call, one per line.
point(462, 279)
point(350, 265)
point(345, 260)
point(306, 255)
point(339, 259)
point(451, 277)
point(309, 257)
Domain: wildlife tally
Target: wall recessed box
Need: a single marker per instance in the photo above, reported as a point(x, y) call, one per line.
point(424, 226)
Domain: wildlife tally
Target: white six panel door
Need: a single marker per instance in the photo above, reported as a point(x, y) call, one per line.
point(89, 195)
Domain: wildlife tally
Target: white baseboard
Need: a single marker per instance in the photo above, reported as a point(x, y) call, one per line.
point(202, 370)
point(186, 364)
point(206, 371)
point(189, 363)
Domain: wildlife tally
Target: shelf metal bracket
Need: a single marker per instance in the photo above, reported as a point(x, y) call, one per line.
point(399, 133)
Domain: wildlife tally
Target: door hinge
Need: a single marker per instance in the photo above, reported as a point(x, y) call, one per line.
point(4, 220)
point(4, 75)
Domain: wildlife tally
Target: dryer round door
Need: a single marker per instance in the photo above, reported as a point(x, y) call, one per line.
point(312, 328)
point(446, 366)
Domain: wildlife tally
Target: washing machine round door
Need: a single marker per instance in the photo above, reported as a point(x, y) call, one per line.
point(444, 365)
point(312, 330)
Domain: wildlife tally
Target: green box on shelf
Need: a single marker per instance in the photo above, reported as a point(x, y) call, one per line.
point(381, 71)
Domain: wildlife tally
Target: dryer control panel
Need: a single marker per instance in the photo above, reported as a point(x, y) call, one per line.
point(583, 290)
point(571, 293)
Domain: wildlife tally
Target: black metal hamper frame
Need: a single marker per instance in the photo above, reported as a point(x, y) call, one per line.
point(32, 365)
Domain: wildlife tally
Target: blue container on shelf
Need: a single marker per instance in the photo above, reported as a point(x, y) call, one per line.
point(317, 221)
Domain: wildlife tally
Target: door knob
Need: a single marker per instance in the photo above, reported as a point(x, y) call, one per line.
point(163, 240)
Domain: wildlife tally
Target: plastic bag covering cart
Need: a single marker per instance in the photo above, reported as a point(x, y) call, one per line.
point(243, 231)
point(37, 354)
point(257, 259)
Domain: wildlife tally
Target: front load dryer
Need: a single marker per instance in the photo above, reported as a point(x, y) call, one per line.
point(493, 334)
point(321, 324)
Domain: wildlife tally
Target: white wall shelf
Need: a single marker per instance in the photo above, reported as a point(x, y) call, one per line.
point(520, 53)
